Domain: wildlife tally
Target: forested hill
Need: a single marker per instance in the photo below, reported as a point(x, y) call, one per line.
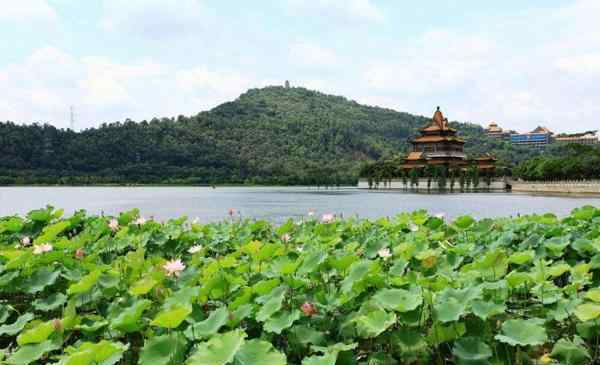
point(273, 135)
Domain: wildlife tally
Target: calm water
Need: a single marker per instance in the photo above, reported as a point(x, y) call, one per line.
point(276, 203)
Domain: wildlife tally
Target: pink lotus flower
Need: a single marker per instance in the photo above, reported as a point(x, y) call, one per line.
point(308, 309)
point(286, 238)
point(79, 254)
point(384, 253)
point(327, 218)
point(174, 267)
point(113, 224)
point(26, 241)
point(231, 212)
point(140, 221)
point(40, 249)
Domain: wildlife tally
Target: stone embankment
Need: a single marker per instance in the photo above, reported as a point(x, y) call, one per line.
point(558, 187)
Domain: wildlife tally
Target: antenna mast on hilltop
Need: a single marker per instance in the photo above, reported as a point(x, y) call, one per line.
point(72, 124)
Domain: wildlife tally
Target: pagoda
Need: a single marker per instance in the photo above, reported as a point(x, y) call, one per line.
point(437, 145)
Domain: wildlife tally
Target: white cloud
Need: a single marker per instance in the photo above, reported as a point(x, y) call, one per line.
point(583, 65)
point(352, 11)
point(49, 81)
point(310, 54)
point(35, 11)
point(153, 19)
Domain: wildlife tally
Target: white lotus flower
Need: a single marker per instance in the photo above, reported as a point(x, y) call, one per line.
point(327, 218)
point(113, 224)
point(300, 249)
point(140, 221)
point(384, 253)
point(286, 237)
point(26, 241)
point(174, 267)
point(40, 249)
point(414, 227)
point(311, 212)
point(440, 215)
point(197, 248)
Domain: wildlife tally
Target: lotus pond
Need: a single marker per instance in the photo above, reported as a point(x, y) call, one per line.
point(413, 289)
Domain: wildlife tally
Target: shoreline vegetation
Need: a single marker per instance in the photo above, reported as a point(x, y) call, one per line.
point(412, 289)
point(268, 136)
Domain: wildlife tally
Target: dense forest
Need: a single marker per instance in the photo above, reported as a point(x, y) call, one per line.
point(568, 162)
point(274, 135)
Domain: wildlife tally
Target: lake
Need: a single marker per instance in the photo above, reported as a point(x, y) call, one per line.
point(277, 203)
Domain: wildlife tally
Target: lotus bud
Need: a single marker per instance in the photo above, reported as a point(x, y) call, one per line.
point(57, 324)
point(79, 254)
point(308, 309)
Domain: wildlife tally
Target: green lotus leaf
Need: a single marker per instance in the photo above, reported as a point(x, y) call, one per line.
point(13, 225)
point(547, 293)
point(563, 309)
point(28, 354)
point(281, 321)
point(271, 305)
point(264, 287)
point(409, 342)
point(172, 317)
point(374, 323)
point(449, 310)
point(522, 257)
point(439, 333)
point(37, 334)
point(521, 332)
point(258, 352)
point(557, 270)
point(16, 326)
point(240, 314)
point(85, 284)
point(593, 294)
point(101, 353)
point(515, 279)
point(471, 349)
point(571, 352)
point(4, 313)
point(311, 262)
point(209, 326)
point(51, 232)
point(164, 350)
point(91, 323)
point(585, 312)
point(357, 272)
point(49, 303)
point(306, 335)
point(40, 279)
point(464, 222)
point(142, 286)
point(484, 309)
point(128, 319)
point(399, 300)
point(218, 350)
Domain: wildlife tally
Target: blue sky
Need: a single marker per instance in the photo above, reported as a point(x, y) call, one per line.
point(518, 63)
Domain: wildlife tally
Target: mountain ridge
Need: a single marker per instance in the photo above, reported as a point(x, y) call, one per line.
point(272, 135)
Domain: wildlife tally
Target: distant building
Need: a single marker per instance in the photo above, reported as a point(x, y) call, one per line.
point(587, 138)
point(287, 84)
point(439, 145)
point(538, 137)
point(494, 131)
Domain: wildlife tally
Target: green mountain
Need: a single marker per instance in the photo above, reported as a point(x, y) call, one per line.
point(273, 135)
